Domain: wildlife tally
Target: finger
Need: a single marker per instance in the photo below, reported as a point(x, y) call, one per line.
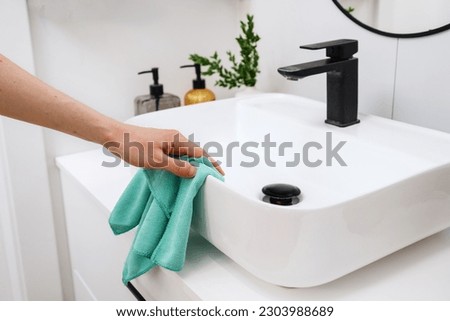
point(216, 165)
point(183, 146)
point(213, 162)
point(188, 148)
point(193, 150)
point(179, 168)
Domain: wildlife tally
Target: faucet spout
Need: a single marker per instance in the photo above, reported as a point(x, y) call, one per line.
point(342, 79)
point(304, 70)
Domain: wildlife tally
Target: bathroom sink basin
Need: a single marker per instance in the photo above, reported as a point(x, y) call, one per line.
point(368, 190)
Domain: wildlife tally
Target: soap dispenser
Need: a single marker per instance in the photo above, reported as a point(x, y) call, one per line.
point(157, 99)
point(199, 93)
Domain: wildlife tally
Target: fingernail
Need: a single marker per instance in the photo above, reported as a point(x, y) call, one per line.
point(192, 171)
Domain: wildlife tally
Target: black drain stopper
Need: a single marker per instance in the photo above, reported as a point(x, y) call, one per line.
point(281, 194)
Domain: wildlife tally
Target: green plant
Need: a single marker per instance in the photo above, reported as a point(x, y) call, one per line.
point(350, 9)
point(243, 72)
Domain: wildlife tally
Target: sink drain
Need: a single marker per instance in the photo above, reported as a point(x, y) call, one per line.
point(281, 194)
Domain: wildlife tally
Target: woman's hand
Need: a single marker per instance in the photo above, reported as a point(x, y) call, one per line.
point(153, 147)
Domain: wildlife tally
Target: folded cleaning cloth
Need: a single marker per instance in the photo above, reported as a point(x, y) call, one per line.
point(162, 205)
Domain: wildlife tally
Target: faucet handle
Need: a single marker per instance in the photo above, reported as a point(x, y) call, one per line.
point(338, 49)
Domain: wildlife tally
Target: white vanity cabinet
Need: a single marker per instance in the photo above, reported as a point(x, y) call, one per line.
point(96, 254)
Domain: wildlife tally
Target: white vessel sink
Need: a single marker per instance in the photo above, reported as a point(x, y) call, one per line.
point(394, 191)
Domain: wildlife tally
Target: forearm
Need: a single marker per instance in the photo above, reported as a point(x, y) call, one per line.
point(26, 98)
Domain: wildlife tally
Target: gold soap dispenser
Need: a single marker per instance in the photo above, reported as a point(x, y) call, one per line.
point(199, 93)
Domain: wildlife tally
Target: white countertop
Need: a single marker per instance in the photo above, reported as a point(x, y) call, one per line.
point(418, 272)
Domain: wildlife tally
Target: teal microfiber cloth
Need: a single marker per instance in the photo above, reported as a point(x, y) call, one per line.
point(161, 205)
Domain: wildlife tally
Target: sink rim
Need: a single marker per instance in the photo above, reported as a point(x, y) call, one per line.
point(317, 109)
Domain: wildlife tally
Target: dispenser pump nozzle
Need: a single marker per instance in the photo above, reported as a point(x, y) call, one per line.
point(156, 89)
point(197, 83)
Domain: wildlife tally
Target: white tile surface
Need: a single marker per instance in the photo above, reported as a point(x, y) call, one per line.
point(422, 93)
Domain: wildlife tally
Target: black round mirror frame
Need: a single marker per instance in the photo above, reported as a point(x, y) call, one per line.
point(390, 34)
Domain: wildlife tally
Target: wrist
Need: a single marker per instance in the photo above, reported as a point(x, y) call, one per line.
point(113, 132)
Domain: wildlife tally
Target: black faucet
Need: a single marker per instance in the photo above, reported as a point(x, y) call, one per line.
point(342, 79)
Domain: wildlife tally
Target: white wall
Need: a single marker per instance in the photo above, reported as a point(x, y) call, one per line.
point(422, 92)
point(12, 284)
point(27, 221)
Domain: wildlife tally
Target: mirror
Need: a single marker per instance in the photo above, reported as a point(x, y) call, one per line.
point(398, 18)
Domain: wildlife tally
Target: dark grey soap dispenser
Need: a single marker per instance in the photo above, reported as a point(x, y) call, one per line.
point(157, 99)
